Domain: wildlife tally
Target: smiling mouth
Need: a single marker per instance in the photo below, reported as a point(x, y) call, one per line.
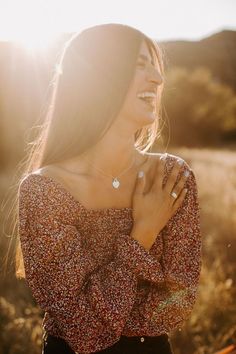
point(150, 102)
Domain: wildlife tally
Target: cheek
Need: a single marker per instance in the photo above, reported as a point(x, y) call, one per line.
point(131, 98)
point(138, 82)
point(134, 90)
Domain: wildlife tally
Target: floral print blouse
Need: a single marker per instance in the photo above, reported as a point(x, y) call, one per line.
point(93, 281)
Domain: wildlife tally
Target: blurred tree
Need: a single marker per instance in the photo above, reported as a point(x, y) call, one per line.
point(201, 109)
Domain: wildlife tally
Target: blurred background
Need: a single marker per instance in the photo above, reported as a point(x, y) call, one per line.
point(199, 109)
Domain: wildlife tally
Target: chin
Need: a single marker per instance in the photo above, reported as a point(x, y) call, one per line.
point(142, 119)
point(146, 119)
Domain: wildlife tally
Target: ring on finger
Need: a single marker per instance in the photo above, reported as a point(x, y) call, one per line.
point(174, 195)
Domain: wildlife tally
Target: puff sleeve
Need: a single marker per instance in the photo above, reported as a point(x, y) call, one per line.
point(88, 301)
point(169, 304)
point(175, 256)
point(181, 257)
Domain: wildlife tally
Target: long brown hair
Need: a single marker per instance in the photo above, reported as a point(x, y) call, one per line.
point(89, 85)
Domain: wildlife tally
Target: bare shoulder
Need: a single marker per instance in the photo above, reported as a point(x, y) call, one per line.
point(153, 156)
point(50, 171)
point(31, 181)
point(152, 160)
point(171, 159)
point(45, 170)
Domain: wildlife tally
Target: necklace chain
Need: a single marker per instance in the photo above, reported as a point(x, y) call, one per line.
point(115, 181)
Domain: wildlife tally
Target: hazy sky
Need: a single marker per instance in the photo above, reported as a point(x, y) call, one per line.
point(182, 19)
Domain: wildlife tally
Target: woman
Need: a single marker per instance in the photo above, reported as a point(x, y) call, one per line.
point(109, 233)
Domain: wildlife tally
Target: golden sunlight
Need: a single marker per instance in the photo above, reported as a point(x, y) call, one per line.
point(33, 24)
point(33, 40)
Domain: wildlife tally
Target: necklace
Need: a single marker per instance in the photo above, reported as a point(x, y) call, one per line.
point(115, 181)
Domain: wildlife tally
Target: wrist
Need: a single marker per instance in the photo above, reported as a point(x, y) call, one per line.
point(140, 234)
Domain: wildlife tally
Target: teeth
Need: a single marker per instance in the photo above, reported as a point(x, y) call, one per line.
point(146, 94)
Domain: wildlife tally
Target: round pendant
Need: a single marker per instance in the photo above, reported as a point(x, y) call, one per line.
point(115, 183)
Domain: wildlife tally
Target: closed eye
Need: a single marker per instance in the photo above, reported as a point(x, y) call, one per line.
point(141, 64)
point(146, 64)
point(145, 58)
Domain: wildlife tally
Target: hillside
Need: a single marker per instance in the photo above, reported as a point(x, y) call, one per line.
point(217, 52)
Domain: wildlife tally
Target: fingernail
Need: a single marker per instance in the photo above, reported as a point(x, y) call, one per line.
point(163, 157)
point(180, 162)
point(186, 173)
point(140, 174)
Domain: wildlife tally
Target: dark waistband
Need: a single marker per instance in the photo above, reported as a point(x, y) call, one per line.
point(132, 339)
point(150, 339)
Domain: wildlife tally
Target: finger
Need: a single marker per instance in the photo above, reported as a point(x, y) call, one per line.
point(181, 183)
point(159, 173)
point(139, 183)
point(173, 175)
point(145, 165)
point(179, 200)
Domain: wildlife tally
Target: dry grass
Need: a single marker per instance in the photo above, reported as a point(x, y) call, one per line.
point(213, 321)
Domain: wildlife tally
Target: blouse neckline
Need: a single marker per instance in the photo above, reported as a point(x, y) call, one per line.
point(88, 210)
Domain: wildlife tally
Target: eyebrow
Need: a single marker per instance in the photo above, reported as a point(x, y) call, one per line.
point(144, 57)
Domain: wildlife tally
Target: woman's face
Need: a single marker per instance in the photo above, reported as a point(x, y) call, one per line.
point(137, 108)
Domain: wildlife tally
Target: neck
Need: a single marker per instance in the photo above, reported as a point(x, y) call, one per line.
point(113, 154)
point(112, 157)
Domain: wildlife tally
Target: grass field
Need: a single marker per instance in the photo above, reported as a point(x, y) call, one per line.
point(213, 321)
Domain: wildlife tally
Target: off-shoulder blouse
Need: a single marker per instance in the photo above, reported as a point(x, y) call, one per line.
point(93, 281)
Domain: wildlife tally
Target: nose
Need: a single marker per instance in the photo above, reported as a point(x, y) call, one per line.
point(155, 76)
